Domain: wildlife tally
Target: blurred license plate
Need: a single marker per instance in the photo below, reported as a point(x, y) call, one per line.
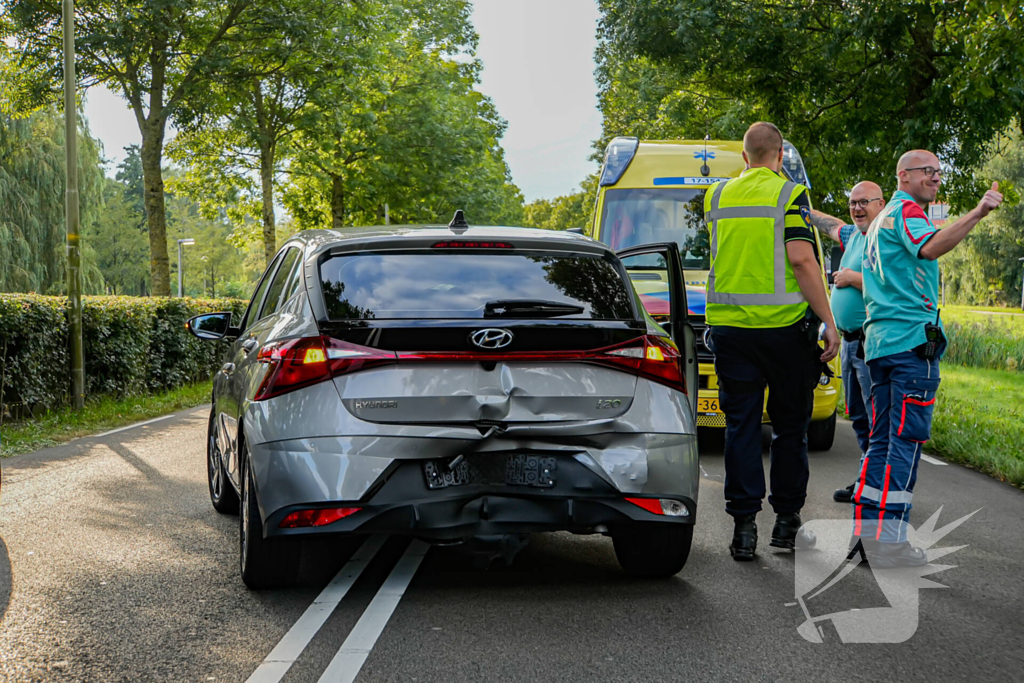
point(523, 469)
point(708, 405)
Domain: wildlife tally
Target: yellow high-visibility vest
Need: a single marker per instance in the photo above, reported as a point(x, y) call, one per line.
point(751, 282)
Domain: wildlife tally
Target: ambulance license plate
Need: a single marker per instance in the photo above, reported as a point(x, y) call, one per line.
point(708, 405)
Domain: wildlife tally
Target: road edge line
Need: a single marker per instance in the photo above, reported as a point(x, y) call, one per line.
point(349, 660)
point(137, 424)
point(294, 642)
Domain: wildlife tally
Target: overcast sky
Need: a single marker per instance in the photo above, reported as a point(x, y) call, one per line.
point(538, 58)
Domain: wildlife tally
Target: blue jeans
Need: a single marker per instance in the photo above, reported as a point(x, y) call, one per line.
point(903, 389)
point(857, 389)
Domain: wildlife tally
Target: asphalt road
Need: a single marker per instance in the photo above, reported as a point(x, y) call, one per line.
point(114, 567)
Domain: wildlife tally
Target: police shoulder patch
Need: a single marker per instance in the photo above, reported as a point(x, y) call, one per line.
point(805, 213)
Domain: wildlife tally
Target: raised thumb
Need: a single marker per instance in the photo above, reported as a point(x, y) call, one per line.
point(995, 187)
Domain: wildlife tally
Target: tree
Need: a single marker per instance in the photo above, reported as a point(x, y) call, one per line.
point(235, 147)
point(161, 55)
point(985, 268)
point(33, 257)
point(117, 237)
point(406, 130)
point(852, 84)
point(574, 210)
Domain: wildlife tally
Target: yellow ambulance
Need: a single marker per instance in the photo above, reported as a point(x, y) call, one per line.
point(653, 192)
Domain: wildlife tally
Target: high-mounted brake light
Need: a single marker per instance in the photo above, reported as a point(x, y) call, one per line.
point(298, 363)
point(471, 244)
point(616, 159)
point(321, 517)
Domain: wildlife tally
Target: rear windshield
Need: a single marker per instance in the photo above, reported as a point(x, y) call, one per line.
point(462, 284)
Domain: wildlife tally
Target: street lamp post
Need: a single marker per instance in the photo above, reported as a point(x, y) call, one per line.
point(71, 216)
point(187, 242)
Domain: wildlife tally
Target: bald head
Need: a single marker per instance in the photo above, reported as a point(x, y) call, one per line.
point(916, 158)
point(762, 145)
point(866, 201)
point(919, 175)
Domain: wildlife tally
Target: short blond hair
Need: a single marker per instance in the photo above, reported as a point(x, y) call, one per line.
point(762, 142)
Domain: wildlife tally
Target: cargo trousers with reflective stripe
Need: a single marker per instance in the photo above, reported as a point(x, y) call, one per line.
point(903, 388)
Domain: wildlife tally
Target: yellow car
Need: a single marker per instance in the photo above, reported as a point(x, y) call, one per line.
point(653, 192)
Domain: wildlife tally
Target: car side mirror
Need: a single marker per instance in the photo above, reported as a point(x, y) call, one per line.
point(212, 326)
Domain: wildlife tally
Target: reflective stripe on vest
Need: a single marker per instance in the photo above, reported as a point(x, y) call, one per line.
point(780, 297)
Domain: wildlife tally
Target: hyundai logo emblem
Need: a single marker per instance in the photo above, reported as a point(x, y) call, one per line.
point(491, 338)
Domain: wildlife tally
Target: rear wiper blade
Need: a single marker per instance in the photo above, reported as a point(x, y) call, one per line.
point(505, 308)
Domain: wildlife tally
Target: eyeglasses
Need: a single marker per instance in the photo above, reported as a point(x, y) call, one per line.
point(929, 171)
point(862, 203)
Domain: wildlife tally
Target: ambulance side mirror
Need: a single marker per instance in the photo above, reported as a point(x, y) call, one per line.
point(833, 263)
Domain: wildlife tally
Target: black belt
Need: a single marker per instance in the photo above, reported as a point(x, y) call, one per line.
point(857, 335)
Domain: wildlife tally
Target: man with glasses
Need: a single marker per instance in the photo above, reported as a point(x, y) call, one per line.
point(866, 202)
point(903, 344)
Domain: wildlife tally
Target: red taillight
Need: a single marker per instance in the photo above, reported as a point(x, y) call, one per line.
point(321, 517)
point(298, 363)
point(656, 358)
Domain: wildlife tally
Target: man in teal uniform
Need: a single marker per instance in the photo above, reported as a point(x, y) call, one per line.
point(903, 344)
point(866, 202)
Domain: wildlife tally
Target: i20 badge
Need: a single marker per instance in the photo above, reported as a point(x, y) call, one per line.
point(491, 338)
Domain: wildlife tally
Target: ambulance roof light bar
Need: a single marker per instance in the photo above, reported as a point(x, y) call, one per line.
point(616, 159)
point(793, 164)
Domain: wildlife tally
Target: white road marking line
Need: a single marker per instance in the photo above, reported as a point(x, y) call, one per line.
point(934, 461)
point(284, 654)
point(353, 653)
point(137, 424)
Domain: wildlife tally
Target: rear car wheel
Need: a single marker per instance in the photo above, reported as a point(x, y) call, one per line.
point(653, 551)
point(821, 434)
point(222, 495)
point(265, 562)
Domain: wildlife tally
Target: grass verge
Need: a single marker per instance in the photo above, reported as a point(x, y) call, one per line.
point(979, 421)
point(101, 413)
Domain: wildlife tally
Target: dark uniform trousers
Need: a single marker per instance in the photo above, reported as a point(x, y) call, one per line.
point(786, 361)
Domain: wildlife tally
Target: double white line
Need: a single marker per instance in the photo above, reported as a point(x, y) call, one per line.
point(360, 641)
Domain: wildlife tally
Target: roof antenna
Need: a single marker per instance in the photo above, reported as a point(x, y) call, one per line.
point(458, 221)
point(705, 170)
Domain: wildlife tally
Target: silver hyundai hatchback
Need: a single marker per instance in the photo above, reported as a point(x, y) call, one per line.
point(456, 384)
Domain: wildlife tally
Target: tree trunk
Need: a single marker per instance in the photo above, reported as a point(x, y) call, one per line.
point(267, 189)
point(337, 202)
point(156, 217)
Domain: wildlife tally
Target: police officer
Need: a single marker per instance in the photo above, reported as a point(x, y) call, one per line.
point(903, 344)
point(764, 275)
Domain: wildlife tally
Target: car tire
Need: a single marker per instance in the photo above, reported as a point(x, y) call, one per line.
point(821, 434)
point(653, 551)
point(222, 494)
point(264, 562)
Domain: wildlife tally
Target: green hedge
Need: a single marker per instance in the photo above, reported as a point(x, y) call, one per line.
point(133, 345)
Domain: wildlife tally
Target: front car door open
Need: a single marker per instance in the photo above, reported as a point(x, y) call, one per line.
point(656, 271)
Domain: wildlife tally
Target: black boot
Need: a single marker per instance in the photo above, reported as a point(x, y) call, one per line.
point(844, 495)
point(787, 533)
point(892, 555)
point(744, 538)
point(861, 546)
